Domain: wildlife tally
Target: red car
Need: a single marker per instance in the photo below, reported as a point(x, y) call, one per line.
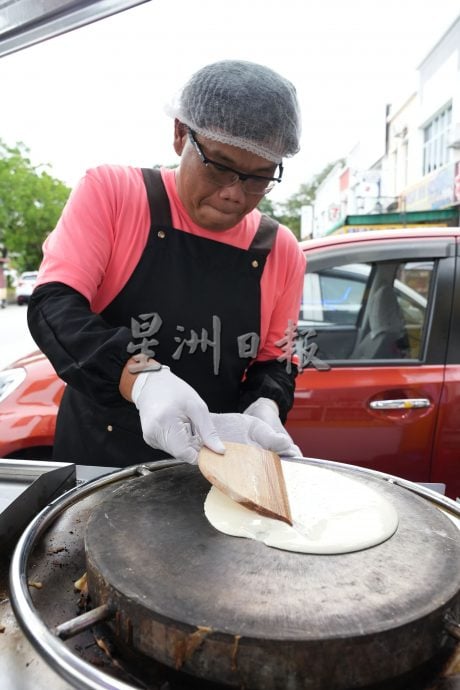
point(379, 346)
point(30, 393)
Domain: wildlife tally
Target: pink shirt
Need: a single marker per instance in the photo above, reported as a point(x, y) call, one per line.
point(103, 230)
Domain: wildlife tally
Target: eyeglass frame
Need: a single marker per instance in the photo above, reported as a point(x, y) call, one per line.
point(241, 177)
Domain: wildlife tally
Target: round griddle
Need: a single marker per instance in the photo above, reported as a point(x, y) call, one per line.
point(233, 610)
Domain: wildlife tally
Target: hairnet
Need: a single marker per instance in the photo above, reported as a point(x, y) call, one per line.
point(243, 104)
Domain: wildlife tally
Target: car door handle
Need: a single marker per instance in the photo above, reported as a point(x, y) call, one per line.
point(399, 404)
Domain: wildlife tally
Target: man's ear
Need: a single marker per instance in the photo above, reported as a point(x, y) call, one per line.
point(180, 136)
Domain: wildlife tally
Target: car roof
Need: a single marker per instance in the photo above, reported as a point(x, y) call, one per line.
point(369, 236)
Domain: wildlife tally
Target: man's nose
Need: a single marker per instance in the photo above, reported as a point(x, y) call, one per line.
point(234, 192)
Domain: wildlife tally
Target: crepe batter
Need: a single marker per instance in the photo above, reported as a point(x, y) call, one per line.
point(331, 514)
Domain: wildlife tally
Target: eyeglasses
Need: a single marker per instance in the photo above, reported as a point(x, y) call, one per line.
point(223, 176)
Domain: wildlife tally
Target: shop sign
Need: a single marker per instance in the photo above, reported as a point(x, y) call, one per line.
point(390, 226)
point(434, 191)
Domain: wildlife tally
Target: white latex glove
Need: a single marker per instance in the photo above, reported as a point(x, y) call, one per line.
point(242, 428)
point(267, 411)
point(173, 416)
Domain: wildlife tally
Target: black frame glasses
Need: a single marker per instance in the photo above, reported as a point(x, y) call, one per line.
point(223, 176)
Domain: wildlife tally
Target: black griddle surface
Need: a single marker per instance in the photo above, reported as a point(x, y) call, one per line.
point(151, 541)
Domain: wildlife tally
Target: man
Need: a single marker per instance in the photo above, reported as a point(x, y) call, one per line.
point(169, 290)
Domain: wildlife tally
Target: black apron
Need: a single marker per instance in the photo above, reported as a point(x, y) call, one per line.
point(193, 304)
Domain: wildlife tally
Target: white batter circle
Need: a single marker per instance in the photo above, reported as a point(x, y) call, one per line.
point(331, 514)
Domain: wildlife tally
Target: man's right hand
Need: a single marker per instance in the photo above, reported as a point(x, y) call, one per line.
point(173, 416)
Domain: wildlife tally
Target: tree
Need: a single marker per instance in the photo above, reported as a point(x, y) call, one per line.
point(30, 205)
point(289, 212)
point(266, 206)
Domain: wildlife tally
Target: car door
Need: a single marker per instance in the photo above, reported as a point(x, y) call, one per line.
point(372, 347)
point(446, 446)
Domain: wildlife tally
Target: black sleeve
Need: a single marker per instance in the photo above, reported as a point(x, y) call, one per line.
point(269, 380)
point(86, 351)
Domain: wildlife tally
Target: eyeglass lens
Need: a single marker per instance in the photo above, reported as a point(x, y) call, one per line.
point(223, 177)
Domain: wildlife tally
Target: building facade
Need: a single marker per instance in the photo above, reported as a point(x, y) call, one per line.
point(416, 169)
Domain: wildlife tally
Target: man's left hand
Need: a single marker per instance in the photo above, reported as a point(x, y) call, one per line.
point(267, 411)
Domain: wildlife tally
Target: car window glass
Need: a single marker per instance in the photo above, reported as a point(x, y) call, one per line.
point(334, 295)
point(413, 283)
point(366, 311)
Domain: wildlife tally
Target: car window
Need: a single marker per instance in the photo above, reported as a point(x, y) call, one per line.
point(334, 295)
point(413, 283)
point(366, 311)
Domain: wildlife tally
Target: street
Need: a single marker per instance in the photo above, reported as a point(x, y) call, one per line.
point(16, 340)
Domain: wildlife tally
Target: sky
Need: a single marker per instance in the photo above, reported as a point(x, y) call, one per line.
point(97, 94)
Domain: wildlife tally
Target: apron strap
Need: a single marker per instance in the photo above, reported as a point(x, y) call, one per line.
point(265, 236)
point(160, 211)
